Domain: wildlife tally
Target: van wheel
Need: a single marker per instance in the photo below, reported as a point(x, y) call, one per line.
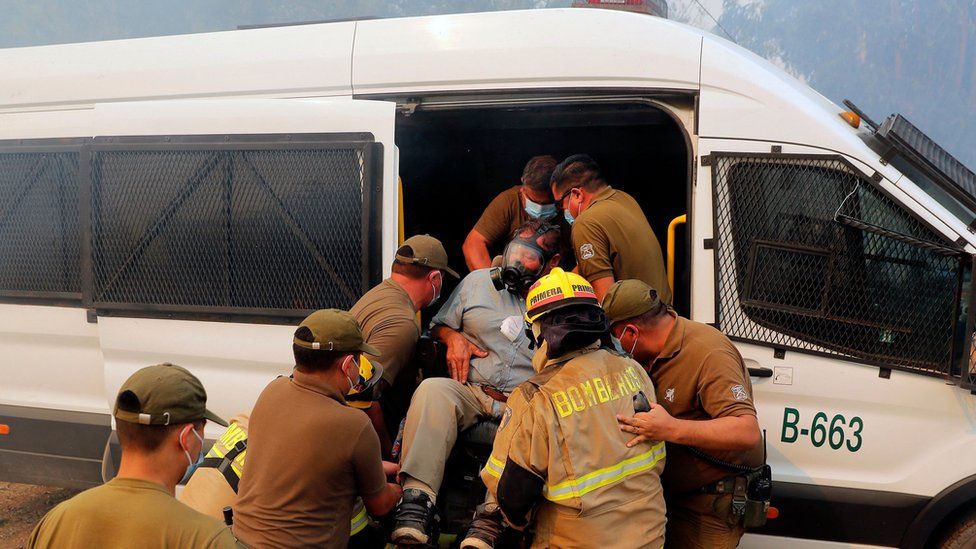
point(961, 535)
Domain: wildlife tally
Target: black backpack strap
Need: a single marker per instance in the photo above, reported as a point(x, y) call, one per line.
point(224, 464)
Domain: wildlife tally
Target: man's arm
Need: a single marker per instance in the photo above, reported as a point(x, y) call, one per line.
point(381, 503)
point(459, 351)
point(379, 496)
point(601, 286)
point(739, 433)
point(475, 249)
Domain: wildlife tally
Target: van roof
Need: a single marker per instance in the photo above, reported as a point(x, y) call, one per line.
point(741, 95)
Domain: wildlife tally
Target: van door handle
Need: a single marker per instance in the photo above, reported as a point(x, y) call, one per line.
point(755, 370)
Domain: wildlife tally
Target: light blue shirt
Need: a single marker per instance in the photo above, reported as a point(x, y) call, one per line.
point(477, 310)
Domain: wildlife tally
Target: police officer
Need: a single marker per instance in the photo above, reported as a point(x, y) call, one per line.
point(388, 316)
point(558, 450)
point(510, 210)
point(160, 413)
point(705, 413)
point(213, 487)
point(309, 456)
point(611, 237)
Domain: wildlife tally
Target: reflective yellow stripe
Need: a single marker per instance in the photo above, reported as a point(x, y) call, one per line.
point(494, 467)
point(231, 436)
point(606, 476)
point(359, 521)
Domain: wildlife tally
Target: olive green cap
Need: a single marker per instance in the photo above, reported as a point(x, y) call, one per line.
point(334, 330)
point(425, 250)
point(628, 299)
point(164, 394)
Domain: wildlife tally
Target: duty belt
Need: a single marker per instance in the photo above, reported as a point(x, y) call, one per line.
point(223, 465)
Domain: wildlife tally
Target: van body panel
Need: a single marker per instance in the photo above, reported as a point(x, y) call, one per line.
point(301, 60)
point(233, 361)
point(527, 49)
point(59, 362)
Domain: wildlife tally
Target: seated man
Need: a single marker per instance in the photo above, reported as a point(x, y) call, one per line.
point(488, 356)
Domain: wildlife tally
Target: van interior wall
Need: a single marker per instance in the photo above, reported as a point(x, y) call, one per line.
point(453, 163)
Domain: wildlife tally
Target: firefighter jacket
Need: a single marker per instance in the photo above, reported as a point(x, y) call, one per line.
point(560, 451)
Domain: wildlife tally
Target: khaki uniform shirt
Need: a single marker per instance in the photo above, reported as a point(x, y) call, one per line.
point(505, 214)
point(561, 425)
point(700, 375)
point(308, 457)
point(389, 323)
point(613, 238)
point(128, 512)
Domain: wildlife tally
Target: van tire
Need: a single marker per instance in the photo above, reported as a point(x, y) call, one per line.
point(961, 535)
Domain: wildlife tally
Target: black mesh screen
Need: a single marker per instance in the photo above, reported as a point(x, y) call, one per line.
point(813, 257)
point(39, 238)
point(225, 230)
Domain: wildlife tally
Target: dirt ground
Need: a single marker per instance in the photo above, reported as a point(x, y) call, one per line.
point(21, 506)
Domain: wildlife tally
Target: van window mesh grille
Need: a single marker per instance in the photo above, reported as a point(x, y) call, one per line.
point(249, 231)
point(39, 235)
point(811, 256)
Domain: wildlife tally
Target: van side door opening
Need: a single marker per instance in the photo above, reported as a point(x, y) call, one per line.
point(453, 162)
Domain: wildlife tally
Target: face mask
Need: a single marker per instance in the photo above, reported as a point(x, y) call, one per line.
point(539, 211)
point(437, 294)
point(634, 346)
point(568, 216)
point(193, 465)
point(353, 383)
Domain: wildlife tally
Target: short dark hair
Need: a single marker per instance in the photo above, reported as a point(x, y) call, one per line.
point(314, 360)
point(550, 238)
point(538, 173)
point(411, 270)
point(579, 170)
point(147, 438)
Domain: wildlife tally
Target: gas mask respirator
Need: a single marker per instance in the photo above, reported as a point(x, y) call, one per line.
point(523, 262)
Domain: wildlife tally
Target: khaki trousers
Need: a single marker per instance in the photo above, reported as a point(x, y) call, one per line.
point(440, 409)
point(698, 521)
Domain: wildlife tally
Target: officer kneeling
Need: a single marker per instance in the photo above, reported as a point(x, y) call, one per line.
point(559, 454)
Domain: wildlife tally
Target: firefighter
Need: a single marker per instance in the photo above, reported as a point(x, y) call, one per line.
point(559, 458)
point(213, 487)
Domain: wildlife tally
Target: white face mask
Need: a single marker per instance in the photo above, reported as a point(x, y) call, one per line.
point(634, 346)
point(192, 465)
point(437, 294)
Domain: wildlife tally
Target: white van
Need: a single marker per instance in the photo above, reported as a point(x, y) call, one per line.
point(189, 198)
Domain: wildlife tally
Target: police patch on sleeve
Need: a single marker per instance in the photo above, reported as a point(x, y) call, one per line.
point(586, 251)
point(739, 392)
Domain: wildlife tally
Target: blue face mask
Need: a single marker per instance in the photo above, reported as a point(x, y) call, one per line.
point(569, 217)
point(193, 465)
point(539, 211)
